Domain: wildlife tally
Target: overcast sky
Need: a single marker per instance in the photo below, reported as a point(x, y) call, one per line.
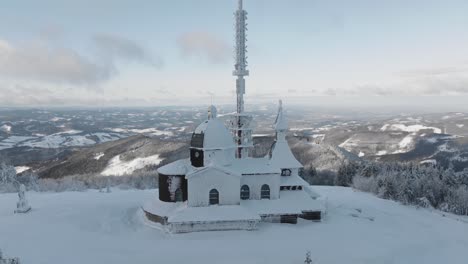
point(171, 52)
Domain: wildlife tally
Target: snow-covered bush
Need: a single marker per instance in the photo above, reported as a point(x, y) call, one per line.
point(8, 182)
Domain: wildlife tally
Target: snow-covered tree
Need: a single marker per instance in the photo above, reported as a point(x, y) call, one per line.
point(308, 259)
point(22, 205)
point(4, 260)
point(8, 182)
point(345, 174)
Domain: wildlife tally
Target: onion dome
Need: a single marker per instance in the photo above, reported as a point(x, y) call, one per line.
point(212, 134)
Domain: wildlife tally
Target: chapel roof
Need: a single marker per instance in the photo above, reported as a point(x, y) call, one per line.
point(212, 134)
point(282, 157)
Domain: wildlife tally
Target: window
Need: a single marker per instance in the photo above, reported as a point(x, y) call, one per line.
point(265, 192)
point(179, 197)
point(245, 192)
point(285, 172)
point(214, 197)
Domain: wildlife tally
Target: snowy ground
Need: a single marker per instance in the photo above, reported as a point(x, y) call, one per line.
point(93, 227)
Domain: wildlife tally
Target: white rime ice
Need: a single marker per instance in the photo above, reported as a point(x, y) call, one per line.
point(22, 205)
point(8, 261)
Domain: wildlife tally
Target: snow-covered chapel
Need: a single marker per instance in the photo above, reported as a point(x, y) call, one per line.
point(221, 187)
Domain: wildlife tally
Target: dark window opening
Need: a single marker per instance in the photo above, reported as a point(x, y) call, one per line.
point(245, 192)
point(214, 197)
point(196, 157)
point(265, 192)
point(285, 172)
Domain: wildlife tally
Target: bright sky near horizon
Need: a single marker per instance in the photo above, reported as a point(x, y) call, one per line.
point(154, 52)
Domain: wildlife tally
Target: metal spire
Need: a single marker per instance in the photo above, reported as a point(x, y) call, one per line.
point(240, 68)
point(240, 124)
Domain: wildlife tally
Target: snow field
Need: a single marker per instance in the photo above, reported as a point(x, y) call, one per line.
point(92, 227)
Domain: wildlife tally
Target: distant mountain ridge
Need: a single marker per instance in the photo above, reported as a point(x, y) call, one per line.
point(95, 159)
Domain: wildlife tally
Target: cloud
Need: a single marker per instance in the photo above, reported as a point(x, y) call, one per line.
point(36, 95)
point(49, 64)
point(43, 61)
point(205, 46)
point(20, 95)
point(445, 86)
point(433, 71)
point(113, 47)
point(451, 80)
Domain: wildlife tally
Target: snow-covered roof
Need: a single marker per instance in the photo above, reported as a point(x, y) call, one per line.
point(199, 171)
point(180, 167)
point(253, 166)
point(281, 123)
point(215, 135)
point(238, 167)
point(312, 193)
point(293, 180)
point(282, 157)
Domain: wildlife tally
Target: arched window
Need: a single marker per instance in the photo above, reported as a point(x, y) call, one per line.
point(179, 196)
point(214, 197)
point(245, 192)
point(265, 192)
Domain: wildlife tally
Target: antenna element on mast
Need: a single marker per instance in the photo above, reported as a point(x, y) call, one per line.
point(240, 125)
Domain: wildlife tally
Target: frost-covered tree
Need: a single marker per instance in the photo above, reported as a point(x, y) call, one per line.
point(22, 205)
point(8, 182)
point(421, 185)
point(345, 174)
point(4, 260)
point(308, 259)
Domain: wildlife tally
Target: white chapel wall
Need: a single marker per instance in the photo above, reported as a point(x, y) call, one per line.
point(199, 188)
